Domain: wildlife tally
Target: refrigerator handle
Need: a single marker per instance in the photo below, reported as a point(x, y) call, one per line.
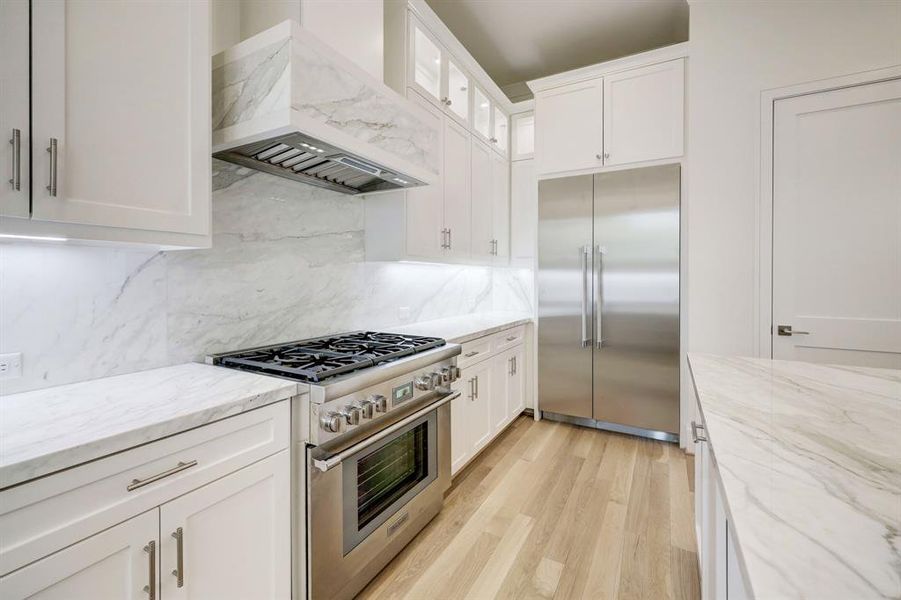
point(599, 296)
point(586, 327)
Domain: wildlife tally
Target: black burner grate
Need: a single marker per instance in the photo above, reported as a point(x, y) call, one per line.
point(318, 359)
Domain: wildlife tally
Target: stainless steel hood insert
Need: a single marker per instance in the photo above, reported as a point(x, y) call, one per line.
point(302, 158)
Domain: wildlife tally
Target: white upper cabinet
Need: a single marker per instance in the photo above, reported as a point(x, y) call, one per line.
point(457, 191)
point(643, 113)
point(501, 134)
point(523, 211)
point(425, 61)
point(500, 207)
point(14, 121)
point(523, 136)
point(456, 96)
point(482, 204)
point(424, 215)
point(120, 139)
point(569, 127)
point(481, 107)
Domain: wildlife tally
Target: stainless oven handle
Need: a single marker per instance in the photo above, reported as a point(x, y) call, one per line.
point(335, 460)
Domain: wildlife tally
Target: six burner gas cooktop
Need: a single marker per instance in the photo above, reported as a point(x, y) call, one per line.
point(318, 359)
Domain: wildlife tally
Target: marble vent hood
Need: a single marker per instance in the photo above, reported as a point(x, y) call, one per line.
point(285, 103)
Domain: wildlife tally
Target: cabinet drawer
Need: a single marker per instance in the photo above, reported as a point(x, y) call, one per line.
point(47, 514)
point(474, 351)
point(507, 339)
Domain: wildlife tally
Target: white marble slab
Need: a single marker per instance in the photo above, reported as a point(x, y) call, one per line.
point(56, 428)
point(463, 328)
point(810, 461)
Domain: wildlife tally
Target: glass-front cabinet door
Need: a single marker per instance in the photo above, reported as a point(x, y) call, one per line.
point(426, 61)
point(523, 138)
point(481, 108)
point(501, 131)
point(456, 96)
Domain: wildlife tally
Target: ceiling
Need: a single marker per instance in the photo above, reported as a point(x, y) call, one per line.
point(519, 40)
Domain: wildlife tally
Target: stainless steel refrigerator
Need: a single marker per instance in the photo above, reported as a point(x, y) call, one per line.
point(608, 300)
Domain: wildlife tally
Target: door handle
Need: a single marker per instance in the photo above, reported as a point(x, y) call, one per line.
point(150, 588)
point(786, 330)
point(599, 296)
point(54, 152)
point(179, 571)
point(16, 141)
point(586, 338)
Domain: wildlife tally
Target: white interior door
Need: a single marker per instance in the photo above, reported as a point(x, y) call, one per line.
point(837, 226)
point(14, 122)
point(116, 563)
point(121, 90)
point(235, 536)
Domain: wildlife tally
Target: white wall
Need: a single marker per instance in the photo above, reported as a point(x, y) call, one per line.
point(354, 28)
point(738, 49)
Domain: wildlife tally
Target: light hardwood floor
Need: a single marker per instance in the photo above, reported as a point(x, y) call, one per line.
point(551, 510)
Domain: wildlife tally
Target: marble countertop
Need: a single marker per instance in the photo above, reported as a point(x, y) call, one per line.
point(465, 327)
point(809, 458)
point(48, 430)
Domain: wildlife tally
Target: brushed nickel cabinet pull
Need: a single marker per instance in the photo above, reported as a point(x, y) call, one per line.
point(139, 483)
point(472, 389)
point(53, 150)
point(515, 366)
point(477, 386)
point(150, 588)
point(694, 433)
point(510, 338)
point(16, 141)
point(470, 354)
point(179, 570)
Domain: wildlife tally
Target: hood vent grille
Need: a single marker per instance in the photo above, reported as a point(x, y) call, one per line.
point(302, 158)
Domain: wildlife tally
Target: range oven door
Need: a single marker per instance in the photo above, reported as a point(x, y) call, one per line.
point(369, 499)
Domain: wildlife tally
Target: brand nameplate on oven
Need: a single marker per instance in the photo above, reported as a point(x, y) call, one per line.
point(402, 393)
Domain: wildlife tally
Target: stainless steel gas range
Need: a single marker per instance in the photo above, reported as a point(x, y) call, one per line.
point(378, 460)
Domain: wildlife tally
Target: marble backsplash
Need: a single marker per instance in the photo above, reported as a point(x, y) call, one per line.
point(287, 262)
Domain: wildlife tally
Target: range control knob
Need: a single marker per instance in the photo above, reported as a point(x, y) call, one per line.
point(366, 408)
point(380, 402)
point(436, 379)
point(331, 421)
point(423, 382)
point(351, 414)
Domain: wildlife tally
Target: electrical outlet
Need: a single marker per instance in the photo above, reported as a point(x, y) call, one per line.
point(11, 365)
point(403, 313)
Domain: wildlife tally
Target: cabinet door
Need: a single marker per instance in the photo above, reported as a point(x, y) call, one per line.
point(480, 402)
point(500, 131)
point(643, 113)
point(500, 207)
point(461, 434)
point(523, 209)
point(116, 563)
point(501, 376)
point(482, 202)
point(457, 91)
point(569, 127)
point(14, 120)
point(457, 192)
point(516, 388)
point(121, 90)
point(425, 204)
point(425, 61)
point(523, 136)
point(481, 114)
point(235, 536)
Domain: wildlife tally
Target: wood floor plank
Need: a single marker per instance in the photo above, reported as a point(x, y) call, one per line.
point(551, 510)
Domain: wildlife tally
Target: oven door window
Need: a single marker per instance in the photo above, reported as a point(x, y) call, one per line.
point(378, 482)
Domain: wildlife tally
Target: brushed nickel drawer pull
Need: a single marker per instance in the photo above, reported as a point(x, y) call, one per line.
point(510, 338)
point(16, 141)
point(139, 483)
point(179, 571)
point(150, 588)
point(471, 354)
point(53, 150)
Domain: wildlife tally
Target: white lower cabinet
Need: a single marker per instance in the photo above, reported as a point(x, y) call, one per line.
point(230, 538)
point(226, 537)
point(492, 386)
point(721, 574)
point(117, 563)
